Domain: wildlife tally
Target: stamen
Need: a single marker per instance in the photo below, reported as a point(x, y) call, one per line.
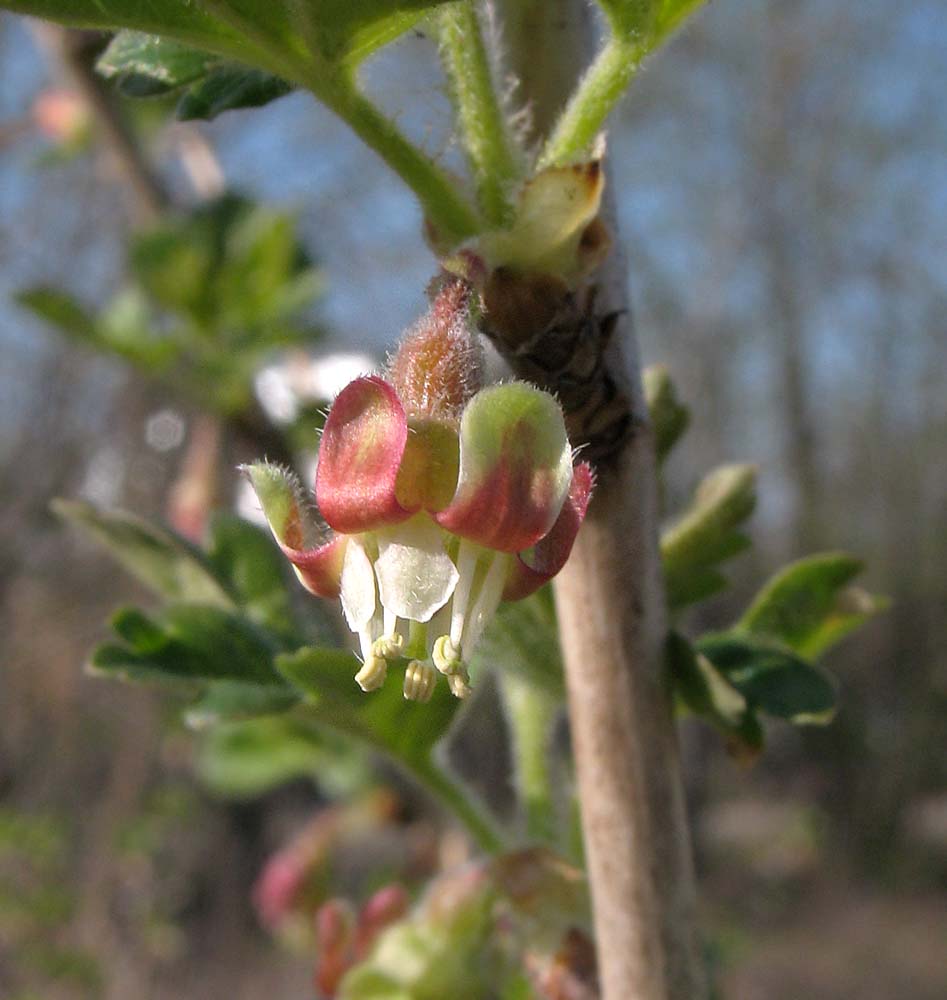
point(486, 604)
point(446, 656)
point(459, 683)
point(389, 646)
point(373, 673)
point(467, 556)
point(419, 680)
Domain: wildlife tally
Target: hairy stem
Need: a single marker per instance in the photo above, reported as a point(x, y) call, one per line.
point(600, 90)
point(444, 206)
point(482, 122)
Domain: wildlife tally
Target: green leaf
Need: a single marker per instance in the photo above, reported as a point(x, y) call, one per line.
point(702, 689)
point(705, 535)
point(245, 556)
point(771, 677)
point(348, 31)
point(244, 760)
point(146, 65)
point(186, 21)
point(233, 701)
point(384, 720)
point(188, 642)
point(810, 605)
point(406, 730)
point(59, 309)
point(669, 417)
point(168, 564)
point(229, 88)
point(523, 638)
point(647, 21)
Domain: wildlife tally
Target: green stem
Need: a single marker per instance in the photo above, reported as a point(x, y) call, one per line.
point(458, 801)
point(486, 137)
point(531, 712)
point(598, 92)
point(444, 207)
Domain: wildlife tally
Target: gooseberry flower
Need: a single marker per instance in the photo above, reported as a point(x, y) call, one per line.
point(445, 498)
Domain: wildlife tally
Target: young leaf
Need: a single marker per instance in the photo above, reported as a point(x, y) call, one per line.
point(246, 558)
point(406, 730)
point(384, 720)
point(61, 310)
point(168, 564)
point(771, 677)
point(669, 417)
point(235, 701)
point(188, 642)
point(146, 65)
point(810, 605)
point(705, 535)
point(702, 689)
point(247, 759)
point(228, 88)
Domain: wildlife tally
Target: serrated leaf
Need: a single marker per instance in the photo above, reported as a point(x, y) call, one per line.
point(247, 759)
point(188, 642)
point(384, 719)
point(168, 564)
point(706, 534)
point(703, 690)
point(147, 65)
point(523, 638)
point(771, 677)
point(229, 88)
point(811, 605)
point(244, 556)
point(669, 417)
point(233, 701)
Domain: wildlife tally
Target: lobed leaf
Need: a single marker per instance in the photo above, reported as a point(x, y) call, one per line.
point(810, 605)
point(188, 642)
point(771, 677)
point(705, 534)
point(247, 759)
point(144, 65)
point(166, 563)
point(229, 88)
point(408, 731)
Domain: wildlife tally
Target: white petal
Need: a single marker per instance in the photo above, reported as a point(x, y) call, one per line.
point(358, 586)
point(416, 576)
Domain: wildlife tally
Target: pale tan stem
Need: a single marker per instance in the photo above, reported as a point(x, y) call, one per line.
point(613, 623)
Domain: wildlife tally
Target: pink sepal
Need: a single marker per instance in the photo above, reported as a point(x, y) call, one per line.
point(362, 447)
point(550, 553)
point(515, 468)
point(320, 569)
